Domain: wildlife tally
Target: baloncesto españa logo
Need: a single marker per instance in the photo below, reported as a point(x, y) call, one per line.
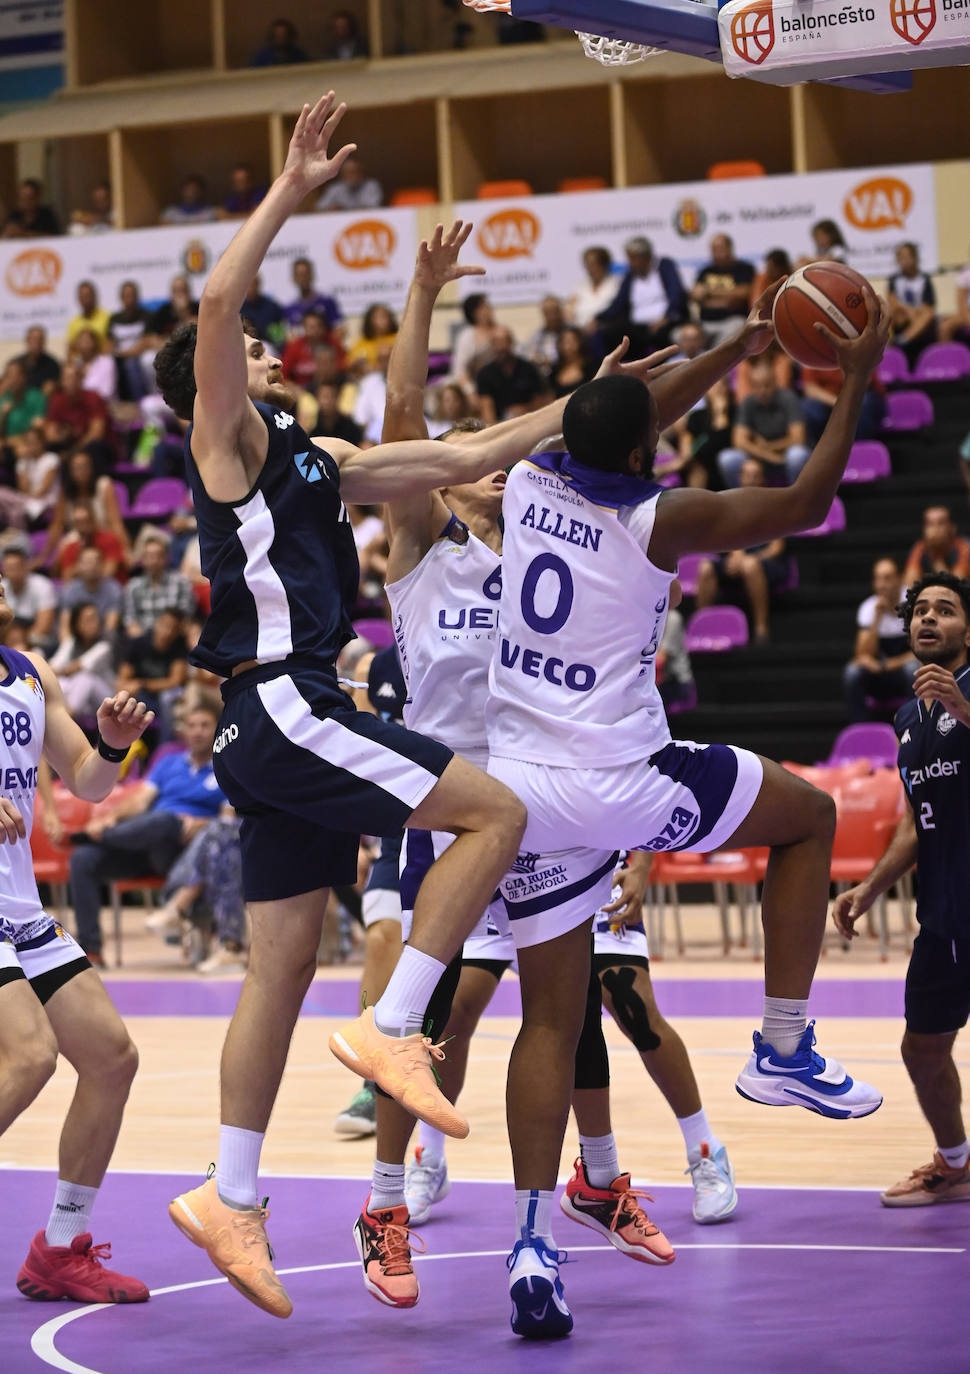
point(753, 32)
point(913, 20)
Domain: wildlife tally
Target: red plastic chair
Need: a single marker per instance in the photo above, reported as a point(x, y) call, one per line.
point(414, 195)
point(502, 190)
point(569, 185)
point(726, 171)
point(720, 869)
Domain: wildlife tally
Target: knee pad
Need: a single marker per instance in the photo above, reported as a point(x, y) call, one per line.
point(630, 1008)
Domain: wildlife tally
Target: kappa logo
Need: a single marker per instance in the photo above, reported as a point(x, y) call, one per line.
point(905, 737)
point(753, 32)
point(386, 689)
point(913, 20)
point(283, 421)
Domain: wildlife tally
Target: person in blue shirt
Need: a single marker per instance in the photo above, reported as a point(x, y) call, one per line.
point(150, 827)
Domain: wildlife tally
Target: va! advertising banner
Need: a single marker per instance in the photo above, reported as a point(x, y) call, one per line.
point(533, 245)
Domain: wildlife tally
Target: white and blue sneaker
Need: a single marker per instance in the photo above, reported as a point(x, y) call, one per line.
point(539, 1310)
point(427, 1182)
point(804, 1079)
point(712, 1175)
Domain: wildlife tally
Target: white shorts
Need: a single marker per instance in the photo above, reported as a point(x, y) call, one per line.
point(491, 938)
point(379, 904)
point(685, 796)
point(621, 943)
point(40, 951)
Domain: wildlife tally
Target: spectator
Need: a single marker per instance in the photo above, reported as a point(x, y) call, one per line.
point(757, 570)
point(331, 422)
point(91, 587)
point(509, 385)
point(344, 39)
point(85, 534)
point(353, 189)
point(940, 550)
point(158, 588)
point(597, 293)
point(193, 205)
point(83, 664)
point(38, 477)
point(372, 398)
point(31, 597)
point(81, 480)
point(180, 308)
point(474, 344)
point(820, 391)
point(31, 219)
point(204, 888)
point(371, 541)
point(98, 370)
point(778, 266)
point(882, 666)
point(828, 241)
point(151, 826)
point(244, 194)
point(912, 301)
point(154, 668)
point(770, 428)
point(77, 418)
point(100, 215)
point(649, 302)
point(706, 434)
point(573, 363)
point(378, 329)
point(308, 298)
point(282, 46)
point(722, 291)
point(91, 315)
point(675, 676)
point(300, 354)
point(264, 313)
point(543, 348)
point(782, 368)
point(43, 369)
point(450, 406)
point(957, 325)
point(692, 341)
point(129, 335)
point(21, 406)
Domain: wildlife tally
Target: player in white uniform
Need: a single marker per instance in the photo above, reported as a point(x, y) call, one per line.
point(51, 1000)
point(577, 730)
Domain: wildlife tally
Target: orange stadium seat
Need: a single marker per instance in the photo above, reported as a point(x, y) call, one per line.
point(726, 171)
point(414, 195)
point(570, 184)
point(499, 190)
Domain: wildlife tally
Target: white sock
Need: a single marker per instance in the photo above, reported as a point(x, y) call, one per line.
point(696, 1130)
point(599, 1157)
point(784, 1023)
point(533, 1214)
point(402, 1009)
point(237, 1172)
point(431, 1143)
point(386, 1188)
point(71, 1213)
point(958, 1156)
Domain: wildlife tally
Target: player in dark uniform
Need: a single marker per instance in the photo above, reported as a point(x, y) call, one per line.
point(934, 762)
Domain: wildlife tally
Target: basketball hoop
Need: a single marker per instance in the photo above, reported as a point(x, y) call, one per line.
point(611, 52)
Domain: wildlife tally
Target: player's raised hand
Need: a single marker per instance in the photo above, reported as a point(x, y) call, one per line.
point(757, 332)
point(122, 719)
point(308, 158)
point(438, 263)
point(644, 369)
point(12, 826)
point(849, 907)
point(862, 354)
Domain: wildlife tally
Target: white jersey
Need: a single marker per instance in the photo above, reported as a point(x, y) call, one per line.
point(22, 722)
point(445, 618)
point(573, 677)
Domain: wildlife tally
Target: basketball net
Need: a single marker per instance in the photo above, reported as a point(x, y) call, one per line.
point(611, 52)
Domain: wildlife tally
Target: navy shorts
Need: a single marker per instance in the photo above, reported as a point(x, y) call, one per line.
point(938, 985)
point(309, 774)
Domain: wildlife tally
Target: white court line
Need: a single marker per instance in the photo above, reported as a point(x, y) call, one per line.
point(42, 1341)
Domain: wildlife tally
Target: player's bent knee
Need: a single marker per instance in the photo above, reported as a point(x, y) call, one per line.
point(35, 1064)
point(926, 1050)
point(630, 1009)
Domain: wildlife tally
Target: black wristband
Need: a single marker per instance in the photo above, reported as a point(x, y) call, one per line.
point(112, 755)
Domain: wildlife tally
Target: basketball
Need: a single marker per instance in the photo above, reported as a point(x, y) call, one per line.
point(827, 292)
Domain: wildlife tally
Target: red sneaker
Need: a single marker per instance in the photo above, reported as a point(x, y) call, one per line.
point(76, 1272)
point(616, 1213)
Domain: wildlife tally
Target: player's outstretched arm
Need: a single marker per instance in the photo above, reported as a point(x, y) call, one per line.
point(224, 417)
point(83, 770)
point(695, 521)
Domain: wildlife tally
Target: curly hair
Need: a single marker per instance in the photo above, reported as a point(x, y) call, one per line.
point(175, 370)
point(960, 585)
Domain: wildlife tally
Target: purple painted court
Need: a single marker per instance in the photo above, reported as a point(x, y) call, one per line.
point(863, 1288)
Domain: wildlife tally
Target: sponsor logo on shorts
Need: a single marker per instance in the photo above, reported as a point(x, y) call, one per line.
point(225, 738)
point(525, 863)
point(527, 883)
point(678, 829)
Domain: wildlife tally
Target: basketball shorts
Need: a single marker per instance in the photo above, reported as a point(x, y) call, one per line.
point(938, 985)
point(41, 951)
point(309, 774)
point(685, 796)
point(382, 898)
point(627, 944)
point(491, 940)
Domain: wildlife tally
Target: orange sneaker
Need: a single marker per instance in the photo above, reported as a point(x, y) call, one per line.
point(76, 1271)
point(383, 1243)
point(236, 1243)
point(616, 1213)
point(402, 1066)
point(934, 1182)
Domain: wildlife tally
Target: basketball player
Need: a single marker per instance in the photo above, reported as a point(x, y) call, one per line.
point(934, 833)
point(305, 771)
point(577, 729)
point(51, 1000)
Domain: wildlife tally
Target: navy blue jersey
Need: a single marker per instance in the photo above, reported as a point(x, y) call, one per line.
point(386, 688)
point(282, 560)
point(934, 763)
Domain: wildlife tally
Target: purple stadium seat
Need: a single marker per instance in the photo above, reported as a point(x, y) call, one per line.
point(687, 570)
point(122, 497)
point(379, 632)
point(894, 367)
point(833, 522)
point(868, 460)
point(715, 629)
point(670, 479)
point(872, 740)
point(942, 362)
point(37, 541)
point(907, 410)
point(159, 498)
point(688, 704)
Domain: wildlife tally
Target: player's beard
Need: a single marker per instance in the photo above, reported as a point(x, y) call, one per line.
point(942, 652)
point(281, 395)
